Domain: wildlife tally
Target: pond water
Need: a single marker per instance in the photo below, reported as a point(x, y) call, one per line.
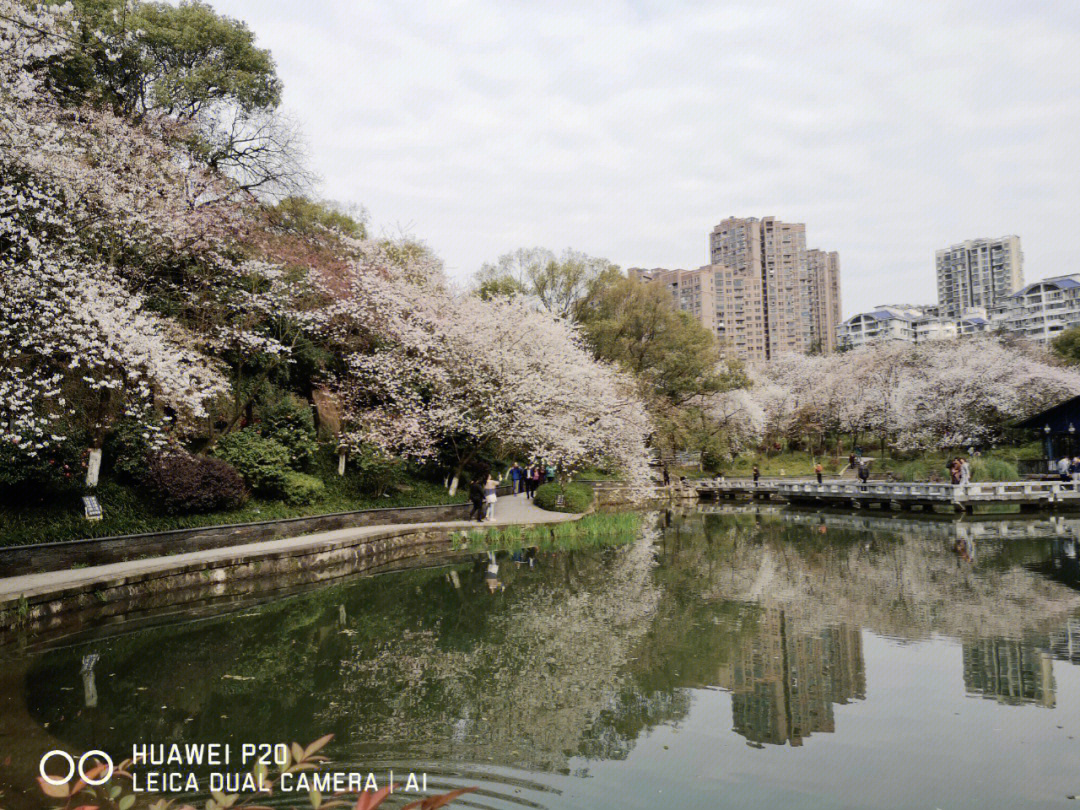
point(751, 659)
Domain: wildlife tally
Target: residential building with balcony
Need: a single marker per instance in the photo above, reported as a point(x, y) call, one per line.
point(978, 273)
point(1041, 310)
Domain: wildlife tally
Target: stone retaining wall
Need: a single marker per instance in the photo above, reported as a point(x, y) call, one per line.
point(33, 559)
point(246, 574)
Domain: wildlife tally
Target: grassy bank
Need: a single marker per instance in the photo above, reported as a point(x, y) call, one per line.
point(591, 531)
point(993, 465)
point(127, 511)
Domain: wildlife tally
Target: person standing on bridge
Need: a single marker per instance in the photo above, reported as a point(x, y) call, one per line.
point(965, 472)
point(1063, 468)
point(818, 470)
point(757, 474)
point(864, 472)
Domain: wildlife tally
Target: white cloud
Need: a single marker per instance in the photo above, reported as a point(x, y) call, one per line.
point(627, 130)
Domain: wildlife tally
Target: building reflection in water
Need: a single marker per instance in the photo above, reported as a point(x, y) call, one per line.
point(784, 681)
point(1009, 671)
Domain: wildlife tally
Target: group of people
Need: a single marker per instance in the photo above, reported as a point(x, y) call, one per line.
point(483, 488)
point(528, 479)
point(1069, 469)
point(482, 495)
point(959, 471)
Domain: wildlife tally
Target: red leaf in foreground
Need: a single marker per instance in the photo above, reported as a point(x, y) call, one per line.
point(369, 801)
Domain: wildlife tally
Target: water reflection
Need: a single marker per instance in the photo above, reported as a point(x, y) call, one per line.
point(554, 664)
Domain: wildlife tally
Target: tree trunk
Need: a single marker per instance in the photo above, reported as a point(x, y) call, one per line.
point(93, 467)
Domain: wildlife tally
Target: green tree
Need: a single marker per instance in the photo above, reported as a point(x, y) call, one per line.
point(557, 283)
point(198, 67)
point(1067, 346)
point(675, 358)
point(176, 59)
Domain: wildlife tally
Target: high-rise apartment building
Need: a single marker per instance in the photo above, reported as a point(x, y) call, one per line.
point(978, 273)
point(824, 288)
point(773, 295)
point(763, 293)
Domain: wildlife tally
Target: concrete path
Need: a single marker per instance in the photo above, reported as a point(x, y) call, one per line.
point(510, 510)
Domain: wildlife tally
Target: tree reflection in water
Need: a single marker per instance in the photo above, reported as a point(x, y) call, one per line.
point(576, 657)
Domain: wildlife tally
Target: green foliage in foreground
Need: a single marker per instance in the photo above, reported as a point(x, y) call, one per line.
point(591, 531)
point(129, 511)
point(577, 498)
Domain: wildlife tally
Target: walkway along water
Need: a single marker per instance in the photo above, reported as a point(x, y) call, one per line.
point(55, 599)
point(966, 497)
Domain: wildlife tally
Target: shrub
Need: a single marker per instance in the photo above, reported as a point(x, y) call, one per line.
point(378, 472)
point(576, 497)
point(993, 469)
point(60, 470)
point(126, 451)
point(182, 482)
point(261, 461)
point(288, 421)
point(300, 489)
point(713, 458)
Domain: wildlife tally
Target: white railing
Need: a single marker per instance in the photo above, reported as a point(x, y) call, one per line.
point(1000, 491)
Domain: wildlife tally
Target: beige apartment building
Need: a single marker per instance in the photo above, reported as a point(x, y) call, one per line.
point(763, 293)
point(824, 290)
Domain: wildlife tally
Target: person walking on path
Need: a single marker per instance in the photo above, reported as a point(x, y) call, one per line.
point(490, 497)
point(516, 477)
point(476, 496)
point(851, 461)
point(818, 470)
point(757, 475)
point(954, 471)
point(965, 472)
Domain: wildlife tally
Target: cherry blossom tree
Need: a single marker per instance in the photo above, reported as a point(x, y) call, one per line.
point(77, 346)
point(451, 371)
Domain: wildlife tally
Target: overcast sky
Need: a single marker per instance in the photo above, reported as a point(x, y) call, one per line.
point(627, 130)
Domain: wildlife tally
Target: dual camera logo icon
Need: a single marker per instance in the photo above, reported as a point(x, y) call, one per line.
point(100, 779)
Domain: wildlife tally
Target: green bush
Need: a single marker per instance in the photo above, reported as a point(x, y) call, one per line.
point(288, 421)
point(126, 451)
point(576, 497)
point(262, 462)
point(59, 470)
point(300, 489)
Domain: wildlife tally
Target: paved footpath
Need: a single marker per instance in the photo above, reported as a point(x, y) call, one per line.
point(510, 509)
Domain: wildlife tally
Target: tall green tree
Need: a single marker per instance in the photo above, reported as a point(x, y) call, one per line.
point(557, 283)
point(189, 63)
point(675, 358)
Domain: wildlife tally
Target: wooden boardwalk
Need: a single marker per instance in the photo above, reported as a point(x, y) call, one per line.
point(888, 494)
